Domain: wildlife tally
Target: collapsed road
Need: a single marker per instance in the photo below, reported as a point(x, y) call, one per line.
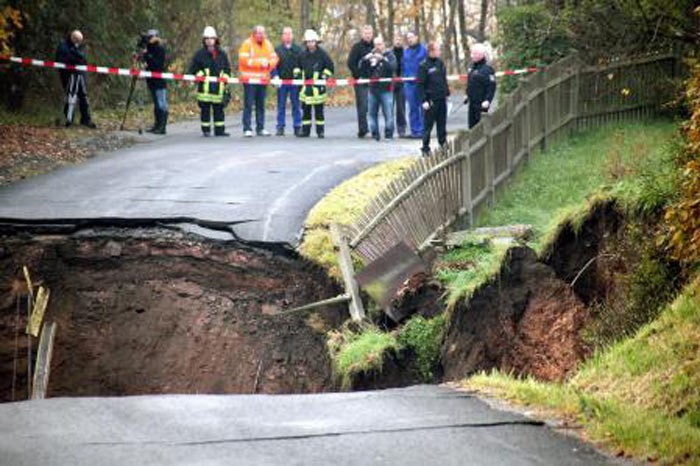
point(143, 310)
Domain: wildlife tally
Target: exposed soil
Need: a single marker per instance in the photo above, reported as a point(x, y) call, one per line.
point(527, 321)
point(168, 313)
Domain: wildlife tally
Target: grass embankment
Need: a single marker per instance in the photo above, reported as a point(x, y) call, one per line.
point(554, 188)
point(630, 163)
point(343, 205)
point(640, 397)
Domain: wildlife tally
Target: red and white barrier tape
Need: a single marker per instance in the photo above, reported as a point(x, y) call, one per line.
point(330, 82)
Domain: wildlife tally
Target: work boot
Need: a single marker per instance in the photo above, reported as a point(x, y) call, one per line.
point(162, 122)
point(156, 121)
point(305, 131)
point(280, 132)
point(320, 132)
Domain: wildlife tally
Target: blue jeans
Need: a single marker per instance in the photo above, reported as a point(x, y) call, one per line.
point(254, 94)
point(160, 99)
point(293, 93)
point(415, 111)
point(385, 100)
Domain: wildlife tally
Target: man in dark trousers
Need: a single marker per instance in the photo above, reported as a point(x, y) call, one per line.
point(154, 57)
point(211, 62)
point(70, 52)
point(481, 84)
point(413, 56)
point(433, 91)
point(380, 64)
point(289, 64)
point(399, 97)
point(316, 64)
point(359, 50)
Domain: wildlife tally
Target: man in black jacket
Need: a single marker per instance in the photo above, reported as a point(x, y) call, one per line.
point(154, 57)
point(380, 64)
point(288, 66)
point(481, 84)
point(211, 62)
point(399, 97)
point(359, 50)
point(70, 52)
point(433, 91)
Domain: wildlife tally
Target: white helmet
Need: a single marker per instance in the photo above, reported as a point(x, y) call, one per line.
point(311, 35)
point(209, 32)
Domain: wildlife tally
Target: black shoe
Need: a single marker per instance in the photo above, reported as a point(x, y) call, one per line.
point(223, 134)
point(375, 136)
point(320, 135)
point(89, 124)
point(159, 131)
point(297, 131)
point(362, 134)
point(280, 132)
point(425, 152)
point(206, 134)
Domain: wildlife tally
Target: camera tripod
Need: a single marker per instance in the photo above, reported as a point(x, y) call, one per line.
point(139, 100)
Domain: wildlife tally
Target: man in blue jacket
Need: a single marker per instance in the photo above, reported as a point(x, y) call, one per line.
point(413, 56)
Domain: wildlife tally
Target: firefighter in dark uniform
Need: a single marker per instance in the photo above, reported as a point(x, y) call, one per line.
point(481, 84)
point(154, 57)
point(211, 61)
point(433, 92)
point(70, 52)
point(315, 64)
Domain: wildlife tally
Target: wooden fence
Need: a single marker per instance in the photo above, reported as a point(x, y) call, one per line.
point(455, 183)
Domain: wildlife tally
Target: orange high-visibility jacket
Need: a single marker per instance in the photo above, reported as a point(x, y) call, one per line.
point(256, 60)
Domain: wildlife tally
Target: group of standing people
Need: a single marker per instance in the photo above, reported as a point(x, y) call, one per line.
point(424, 96)
point(258, 61)
point(410, 107)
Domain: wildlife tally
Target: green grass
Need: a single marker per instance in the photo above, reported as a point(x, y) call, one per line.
point(343, 205)
point(555, 185)
point(640, 397)
point(631, 163)
point(424, 337)
point(354, 352)
point(464, 269)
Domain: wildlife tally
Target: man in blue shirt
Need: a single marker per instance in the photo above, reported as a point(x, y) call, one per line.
point(413, 56)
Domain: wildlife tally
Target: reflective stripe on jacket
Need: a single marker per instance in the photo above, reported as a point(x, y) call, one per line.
point(256, 60)
point(315, 65)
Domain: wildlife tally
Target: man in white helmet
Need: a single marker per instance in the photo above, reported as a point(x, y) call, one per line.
point(315, 64)
point(211, 61)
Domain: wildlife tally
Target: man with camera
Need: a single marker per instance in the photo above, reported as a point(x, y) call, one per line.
point(153, 55)
point(380, 64)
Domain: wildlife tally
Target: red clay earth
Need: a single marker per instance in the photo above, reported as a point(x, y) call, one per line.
point(168, 313)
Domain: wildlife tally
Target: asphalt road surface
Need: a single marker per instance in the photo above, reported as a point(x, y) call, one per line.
point(423, 425)
point(263, 186)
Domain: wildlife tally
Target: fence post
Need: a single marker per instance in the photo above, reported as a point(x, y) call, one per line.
point(489, 159)
point(574, 96)
point(545, 114)
point(357, 310)
point(466, 174)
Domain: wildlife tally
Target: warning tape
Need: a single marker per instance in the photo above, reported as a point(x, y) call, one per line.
point(141, 74)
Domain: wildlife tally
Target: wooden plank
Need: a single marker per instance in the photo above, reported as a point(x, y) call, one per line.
point(357, 310)
point(42, 371)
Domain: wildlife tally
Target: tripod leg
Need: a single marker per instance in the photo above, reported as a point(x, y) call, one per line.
point(128, 102)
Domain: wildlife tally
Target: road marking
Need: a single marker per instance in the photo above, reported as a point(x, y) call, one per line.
point(280, 201)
